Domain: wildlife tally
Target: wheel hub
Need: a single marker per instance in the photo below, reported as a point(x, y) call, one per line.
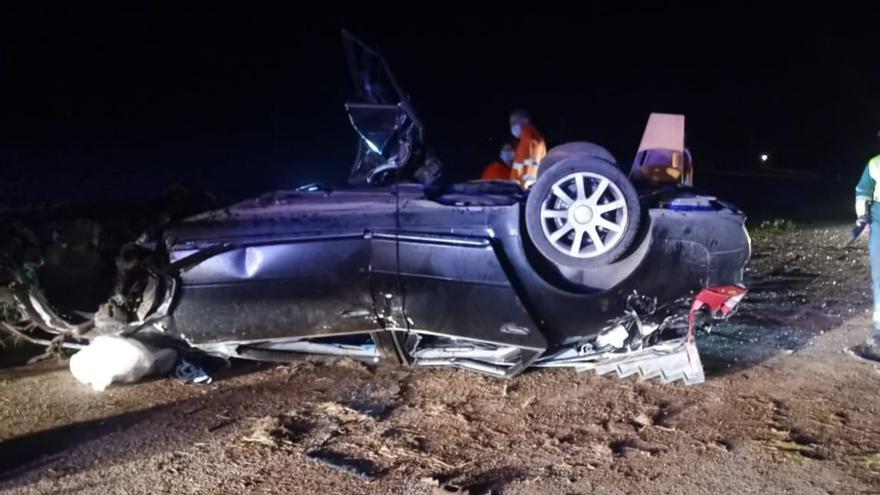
point(581, 214)
point(584, 215)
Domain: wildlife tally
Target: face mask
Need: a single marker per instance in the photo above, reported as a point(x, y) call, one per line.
point(507, 157)
point(516, 130)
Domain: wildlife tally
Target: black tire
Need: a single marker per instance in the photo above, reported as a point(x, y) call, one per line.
point(626, 217)
point(573, 150)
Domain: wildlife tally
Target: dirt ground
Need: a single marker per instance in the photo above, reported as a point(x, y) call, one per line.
point(784, 410)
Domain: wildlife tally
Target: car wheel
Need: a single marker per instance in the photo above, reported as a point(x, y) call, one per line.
point(583, 213)
point(573, 150)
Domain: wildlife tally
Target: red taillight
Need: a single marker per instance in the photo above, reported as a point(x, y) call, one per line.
point(721, 301)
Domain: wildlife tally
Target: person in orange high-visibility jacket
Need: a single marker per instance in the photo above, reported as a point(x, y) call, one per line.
point(530, 150)
point(500, 169)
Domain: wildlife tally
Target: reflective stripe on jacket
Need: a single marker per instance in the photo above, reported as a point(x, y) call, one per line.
point(530, 150)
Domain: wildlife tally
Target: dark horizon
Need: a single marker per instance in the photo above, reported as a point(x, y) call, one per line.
point(242, 101)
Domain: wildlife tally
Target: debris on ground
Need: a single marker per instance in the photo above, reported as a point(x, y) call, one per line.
point(113, 359)
point(191, 373)
point(69, 273)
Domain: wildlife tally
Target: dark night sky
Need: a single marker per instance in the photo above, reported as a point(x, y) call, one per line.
point(244, 100)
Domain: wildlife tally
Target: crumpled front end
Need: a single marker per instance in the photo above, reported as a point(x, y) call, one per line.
point(632, 346)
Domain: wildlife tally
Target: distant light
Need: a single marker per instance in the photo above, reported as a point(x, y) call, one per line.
point(765, 157)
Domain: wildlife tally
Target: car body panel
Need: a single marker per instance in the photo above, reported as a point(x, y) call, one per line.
point(314, 265)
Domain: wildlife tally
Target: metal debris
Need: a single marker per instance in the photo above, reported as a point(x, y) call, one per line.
point(669, 361)
point(190, 373)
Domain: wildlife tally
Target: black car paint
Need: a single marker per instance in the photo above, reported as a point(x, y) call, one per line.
point(318, 264)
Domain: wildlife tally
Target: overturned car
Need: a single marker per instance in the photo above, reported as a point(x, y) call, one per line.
point(590, 268)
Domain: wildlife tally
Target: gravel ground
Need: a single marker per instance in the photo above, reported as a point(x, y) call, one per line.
point(784, 410)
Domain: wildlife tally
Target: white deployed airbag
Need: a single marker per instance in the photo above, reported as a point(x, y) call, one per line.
point(109, 358)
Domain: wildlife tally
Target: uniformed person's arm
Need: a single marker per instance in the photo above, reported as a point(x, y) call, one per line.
point(864, 191)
